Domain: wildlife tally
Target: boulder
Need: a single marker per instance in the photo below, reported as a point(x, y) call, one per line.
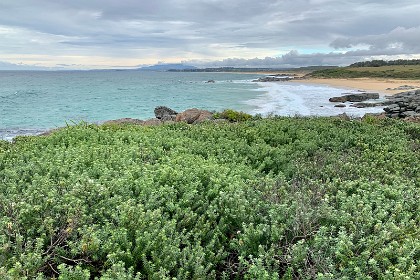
point(151, 122)
point(365, 105)
point(403, 104)
point(378, 116)
point(340, 105)
point(194, 115)
point(343, 117)
point(338, 99)
point(165, 112)
point(409, 114)
point(210, 82)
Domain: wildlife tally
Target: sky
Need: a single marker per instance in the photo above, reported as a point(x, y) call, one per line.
point(91, 34)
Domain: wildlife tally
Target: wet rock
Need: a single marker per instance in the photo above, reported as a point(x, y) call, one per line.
point(356, 97)
point(338, 99)
point(366, 105)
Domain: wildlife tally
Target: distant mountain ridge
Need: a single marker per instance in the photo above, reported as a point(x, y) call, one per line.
point(168, 66)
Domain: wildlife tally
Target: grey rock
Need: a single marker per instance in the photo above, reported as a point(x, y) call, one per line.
point(366, 105)
point(272, 79)
point(409, 114)
point(356, 97)
point(338, 99)
point(340, 105)
point(163, 111)
point(344, 117)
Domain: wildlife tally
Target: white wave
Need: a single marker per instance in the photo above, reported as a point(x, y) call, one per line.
point(9, 134)
point(290, 99)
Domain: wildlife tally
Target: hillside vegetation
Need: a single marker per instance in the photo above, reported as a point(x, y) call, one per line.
point(389, 71)
point(277, 198)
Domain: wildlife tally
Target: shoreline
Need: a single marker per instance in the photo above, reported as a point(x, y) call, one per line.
point(365, 84)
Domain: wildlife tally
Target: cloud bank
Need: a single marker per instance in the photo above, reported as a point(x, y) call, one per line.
point(105, 33)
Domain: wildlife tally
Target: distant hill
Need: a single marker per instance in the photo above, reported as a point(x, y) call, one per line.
point(379, 63)
point(169, 66)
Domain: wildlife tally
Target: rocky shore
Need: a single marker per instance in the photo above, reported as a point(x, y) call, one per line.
point(404, 104)
point(278, 78)
point(401, 105)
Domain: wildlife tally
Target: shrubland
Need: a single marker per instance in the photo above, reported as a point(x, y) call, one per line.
point(385, 71)
point(276, 198)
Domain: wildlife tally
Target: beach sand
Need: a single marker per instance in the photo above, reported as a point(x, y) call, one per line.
point(366, 84)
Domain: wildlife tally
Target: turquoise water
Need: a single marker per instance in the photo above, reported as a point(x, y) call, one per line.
point(35, 100)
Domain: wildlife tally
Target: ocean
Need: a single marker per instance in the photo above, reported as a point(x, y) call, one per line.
point(32, 102)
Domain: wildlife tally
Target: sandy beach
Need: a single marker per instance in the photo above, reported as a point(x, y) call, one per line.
point(366, 84)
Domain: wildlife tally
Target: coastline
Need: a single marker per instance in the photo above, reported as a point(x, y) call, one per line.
point(365, 84)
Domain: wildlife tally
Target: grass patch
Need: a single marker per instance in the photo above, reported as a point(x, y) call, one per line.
point(393, 72)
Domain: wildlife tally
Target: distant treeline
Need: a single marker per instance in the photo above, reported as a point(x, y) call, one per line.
point(378, 63)
point(235, 69)
point(221, 69)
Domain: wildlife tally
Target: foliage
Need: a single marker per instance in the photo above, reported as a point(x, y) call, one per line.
point(277, 198)
point(232, 116)
point(386, 71)
point(378, 63)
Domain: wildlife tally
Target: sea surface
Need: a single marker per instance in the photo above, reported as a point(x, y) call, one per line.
point(32, 102)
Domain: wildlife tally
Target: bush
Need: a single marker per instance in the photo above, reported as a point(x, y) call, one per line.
point(279, 198)
point(233, 116)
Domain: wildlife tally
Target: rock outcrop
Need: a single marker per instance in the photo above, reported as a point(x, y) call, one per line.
point(272, 79)
point(404, 104)
point(366, 105)
point(165, 114)
point(355, 97)
point(404, 87)
point(192, 116)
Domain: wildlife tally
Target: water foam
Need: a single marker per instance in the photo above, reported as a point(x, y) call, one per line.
point(291, 99)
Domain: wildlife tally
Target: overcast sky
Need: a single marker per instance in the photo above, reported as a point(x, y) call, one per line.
point(262, 33)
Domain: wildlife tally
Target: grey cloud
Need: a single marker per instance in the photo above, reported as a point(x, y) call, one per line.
point(210, 29)
point(400, 39)
point(295, 59)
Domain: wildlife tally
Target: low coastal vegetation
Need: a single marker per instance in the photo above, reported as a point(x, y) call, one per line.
point(397, 69)
point(275, 198)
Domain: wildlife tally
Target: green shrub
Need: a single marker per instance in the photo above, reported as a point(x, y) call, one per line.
point(277, 198)
point(232, 116)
